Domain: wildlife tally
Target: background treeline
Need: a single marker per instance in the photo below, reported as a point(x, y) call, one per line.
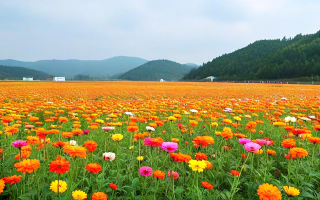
point(17, 73)
point(266, 59)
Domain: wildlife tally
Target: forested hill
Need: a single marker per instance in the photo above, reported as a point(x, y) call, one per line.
point(156, 70)
point(17, 73)
point(266, 59)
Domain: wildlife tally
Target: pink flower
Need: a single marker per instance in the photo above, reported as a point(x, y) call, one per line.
point(19, 143)
point(261, 142)
point(169, 146)
point(252, 147)
point(174, 174)
point(244, 141)
point(86, 132)
point(108, 128)
point(147, 141)
point(145, 171)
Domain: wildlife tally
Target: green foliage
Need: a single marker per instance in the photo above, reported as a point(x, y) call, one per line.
point(266, 59)
point(156, 70)
point(17, 73)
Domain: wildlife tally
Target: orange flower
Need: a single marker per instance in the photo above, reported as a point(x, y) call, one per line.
point(75, 151)
point(193, 123)
point(176, 140)
point(12, 179)
point(24, 155)
point(314, 139)
point(93, 168)
point(179, 157)
point(99, 196)
point(66, 134)
point(269, 192)
point(158, 174)
point(235, 173)
point(288, 143)
point(132, 128)
point(2, 185)
point(33, 119)
point(60, 165)
point(77, 131)
point(271, 152)
point(298, 152)
point(209, 164)
point(58, 144)
point(227, 133)
point(207, 185)
point(28, 165)
point(204, 141)
point(32, 140)
point(201, 156)
point(90, 145)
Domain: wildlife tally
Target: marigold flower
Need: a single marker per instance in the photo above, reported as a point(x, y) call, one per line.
point(207, 185)
point(58, 185)
point(28, 165)
point(79, 195)
point(268, 192)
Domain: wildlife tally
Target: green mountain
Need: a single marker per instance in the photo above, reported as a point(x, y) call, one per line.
point(70, 68)
point(266, 59)
point(156, 70)
point(17, 73)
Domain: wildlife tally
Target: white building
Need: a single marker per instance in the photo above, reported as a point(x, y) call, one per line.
point(27, 79)
point(59, 78)
point(211, 78)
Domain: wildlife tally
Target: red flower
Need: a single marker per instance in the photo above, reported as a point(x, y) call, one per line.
point(113, 186)
point(235, 173)
point(207, 185)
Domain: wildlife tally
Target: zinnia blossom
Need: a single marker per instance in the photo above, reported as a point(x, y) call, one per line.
point(113, 186)
point(252, 147)
point(58, 185)
point(93, 168)
point(298, 152)
point(207, 185)
point(79, 195)
point(12, 179)
point(235, 173)
point(75, 151)
point(288, 143)
point(173, 174)
point(169, 146)
point(60, 165)
point(268, 191)
point(99, 196)
point(197, 165)
point(90, 145)
point(19, 143)
point(244, 141)
point(291, 191)
point(145, 171)
point(117, 137)
point(2, 185)
point(109, 156)
point(158, 174)
point(28, 165)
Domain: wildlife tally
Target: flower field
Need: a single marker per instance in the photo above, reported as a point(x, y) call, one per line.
point(152, 140)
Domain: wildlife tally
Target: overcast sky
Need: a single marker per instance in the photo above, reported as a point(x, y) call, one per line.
point(180, 30)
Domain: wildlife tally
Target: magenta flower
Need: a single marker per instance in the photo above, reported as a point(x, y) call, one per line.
point(145, 171)
point(252, 147)
point(86, 132)
point(261, 142)
point(108, 128)
point(244, 141)
point(19, 143)
point(169, 146)
point(173, 174)
point(147, 141)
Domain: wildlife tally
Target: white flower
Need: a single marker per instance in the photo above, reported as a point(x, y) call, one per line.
point(149, 128)
point(284, 99)
point(204, 111)
point(290, 119)
point(129, 113)
point(227, 110)
point(305, 119)
point(73, 143)
point(108, 128)
point(109, 156)
point(312, 117)
point(193, 110)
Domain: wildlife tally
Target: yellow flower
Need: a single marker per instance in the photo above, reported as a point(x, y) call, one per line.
point(131, 148)
point(214, 124)
point(172, 118)
point(260, 151)
point(291, 191)
point(237, 118)
point(140, 158)
point(79, 195)
point(58, 183)
point(117, 137)
point(197, 165)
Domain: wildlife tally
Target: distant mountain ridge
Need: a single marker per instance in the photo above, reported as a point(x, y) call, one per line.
point(72, 67)
point(156, 70)
point(17, 73)
point(266, 59)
